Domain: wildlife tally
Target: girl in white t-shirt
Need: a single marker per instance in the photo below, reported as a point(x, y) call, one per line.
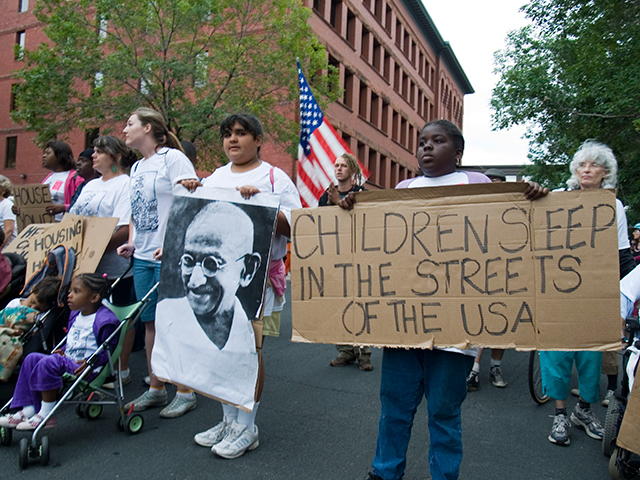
point(241, 139)
point(7, 217)
point(108, 196)
point(152, 180)
point(63, 179)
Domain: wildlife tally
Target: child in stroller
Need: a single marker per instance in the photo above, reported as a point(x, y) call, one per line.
point(19, 317)
point(41, 375)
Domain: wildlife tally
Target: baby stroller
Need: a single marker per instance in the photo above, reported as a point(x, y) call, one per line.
point(86, 394)
point(623, 464)
point(18, 271)
point(48, 327)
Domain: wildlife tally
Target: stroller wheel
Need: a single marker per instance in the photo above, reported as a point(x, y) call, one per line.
point(79, 408)
point(24, 453)
point(44, 450)
point(134, 424)
point(92, 411)
point(6, 435)
point(610, 427)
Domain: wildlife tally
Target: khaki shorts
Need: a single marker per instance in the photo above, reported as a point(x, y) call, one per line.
point(271, 325)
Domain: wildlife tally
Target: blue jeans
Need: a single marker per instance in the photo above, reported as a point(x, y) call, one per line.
point(407, 375)
point(145, 275)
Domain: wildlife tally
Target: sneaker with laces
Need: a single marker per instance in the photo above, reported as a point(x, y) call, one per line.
point(238, 440)
point(496, 377)
point(147, 400)
point(36, 420)
point(212, 436)
point(560, 430)
point(473, 382)
point(178, 406)
point(12, 420)
point(112, 385)
point(608, 397)
point(585, 418)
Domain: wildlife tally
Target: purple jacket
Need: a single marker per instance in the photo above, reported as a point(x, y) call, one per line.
point(104, 325)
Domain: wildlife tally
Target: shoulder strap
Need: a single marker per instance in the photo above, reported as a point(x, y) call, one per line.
point(272, 179)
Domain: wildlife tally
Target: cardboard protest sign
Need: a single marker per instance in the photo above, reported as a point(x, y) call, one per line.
point(32, 200)
point(88, 236)
point(628, 437)
point(214, 270)
point(461, 266)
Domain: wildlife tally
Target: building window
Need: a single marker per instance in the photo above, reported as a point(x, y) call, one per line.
point(10, 152)
point(397, 77)
point(378, 9)
point(384, 125)
point(373, 166)
point(361, 156)
point(347, 139)
point(23, 6)
point(375, 110)
point(12, 101)
point(351, 28)
point(382, 177)
point(364, 97)
point(399, 33)
point(318, 6)
point(393, 177)
point(405, 86)
point(388, 19)
point(90, 136)
point(411, 137)
point(367, 4)
point(365, 49)
point(377, 55)
point(387, 67)
point(395, 126)
point(335, 16)
point(406, 44)
point(412, 94)
point(403, 132)
point(20, 41)
point(347, 97)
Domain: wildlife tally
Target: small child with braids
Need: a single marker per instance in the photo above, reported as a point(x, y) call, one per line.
point(90, 324)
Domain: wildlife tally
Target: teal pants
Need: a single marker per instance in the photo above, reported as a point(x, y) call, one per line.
point(556, 374)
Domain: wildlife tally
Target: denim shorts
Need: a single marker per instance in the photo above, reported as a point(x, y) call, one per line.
point(145, 275)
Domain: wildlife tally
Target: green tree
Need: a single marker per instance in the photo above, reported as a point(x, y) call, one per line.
point(195, 61)
point(571, 75)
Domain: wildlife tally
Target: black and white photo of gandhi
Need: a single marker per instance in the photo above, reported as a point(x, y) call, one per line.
point(222, 255)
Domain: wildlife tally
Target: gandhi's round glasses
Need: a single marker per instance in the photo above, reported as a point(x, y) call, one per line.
point(209, 265)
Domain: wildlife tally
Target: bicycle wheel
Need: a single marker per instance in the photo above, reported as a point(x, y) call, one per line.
point(535, 379)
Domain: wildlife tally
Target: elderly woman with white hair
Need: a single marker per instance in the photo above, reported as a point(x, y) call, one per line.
point(593, 166)
point(7, 217)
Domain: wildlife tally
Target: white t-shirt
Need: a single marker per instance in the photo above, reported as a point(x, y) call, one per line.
point(110, 198)
point(7, 214)
point(56, 187)
point(259, 177)
point(150, 189)
point(623, 229)
point(455, 178)
point(81, 341)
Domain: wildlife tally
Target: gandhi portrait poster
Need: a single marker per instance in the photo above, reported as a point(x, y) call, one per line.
point(213, 276)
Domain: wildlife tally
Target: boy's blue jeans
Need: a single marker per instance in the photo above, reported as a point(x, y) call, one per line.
point(407, 375)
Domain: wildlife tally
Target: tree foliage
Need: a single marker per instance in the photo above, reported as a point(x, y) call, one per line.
point(571, 75)
point(195, 61)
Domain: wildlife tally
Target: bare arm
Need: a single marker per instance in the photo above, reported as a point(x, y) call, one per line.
point(119, 237)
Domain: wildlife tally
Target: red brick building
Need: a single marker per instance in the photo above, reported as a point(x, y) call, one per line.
point(395, 68)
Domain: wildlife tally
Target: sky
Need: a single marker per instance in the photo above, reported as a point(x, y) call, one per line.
point(475, 31)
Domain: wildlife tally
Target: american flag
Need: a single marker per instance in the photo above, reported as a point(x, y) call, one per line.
point(319, 147)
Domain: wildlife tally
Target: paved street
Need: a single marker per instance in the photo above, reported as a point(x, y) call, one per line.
point(316, 422)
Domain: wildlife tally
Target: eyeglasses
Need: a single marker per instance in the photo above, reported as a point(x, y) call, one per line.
point(209, 265)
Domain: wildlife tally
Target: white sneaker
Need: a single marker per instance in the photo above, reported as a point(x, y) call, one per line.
point(607, 398)
point(112, 385)
point(237, 441)
point(179, 406)
point(147, 400)
point(212, 436)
